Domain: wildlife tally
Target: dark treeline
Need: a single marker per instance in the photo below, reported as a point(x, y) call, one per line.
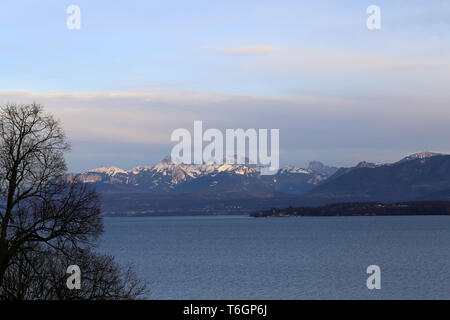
point(363, 209)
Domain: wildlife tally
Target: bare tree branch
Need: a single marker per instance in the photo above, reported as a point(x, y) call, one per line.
point(46, 220)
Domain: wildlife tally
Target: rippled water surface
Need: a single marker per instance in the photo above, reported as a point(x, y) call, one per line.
point(221, 257)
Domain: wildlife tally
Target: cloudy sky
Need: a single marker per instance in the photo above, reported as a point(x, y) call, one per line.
point(137, 70)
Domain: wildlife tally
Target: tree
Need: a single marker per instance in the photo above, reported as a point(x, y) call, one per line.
point(44, 218)
point(40, 274)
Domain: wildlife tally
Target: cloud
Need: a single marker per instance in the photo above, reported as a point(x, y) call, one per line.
point(345, 60)
point(127, 128)
point(347, 71)
point(250, 50)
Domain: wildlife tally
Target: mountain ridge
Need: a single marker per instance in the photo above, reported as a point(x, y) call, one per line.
point(168, 188)
point(168, 176)
point(407, 180)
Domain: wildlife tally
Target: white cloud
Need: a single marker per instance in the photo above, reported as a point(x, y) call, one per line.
point(332, 128)
point(250, 50)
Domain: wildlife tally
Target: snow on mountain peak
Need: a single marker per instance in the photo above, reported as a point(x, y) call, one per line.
point(139, 169)
point(225, 167)
point(166, 175)
point(421, 155)
point(109, 170)
point(291, 169)
point(167, 167)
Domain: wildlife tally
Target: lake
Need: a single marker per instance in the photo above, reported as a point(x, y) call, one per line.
point(238, 257)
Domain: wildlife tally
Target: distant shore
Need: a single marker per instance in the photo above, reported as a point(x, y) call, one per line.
point(416, 208)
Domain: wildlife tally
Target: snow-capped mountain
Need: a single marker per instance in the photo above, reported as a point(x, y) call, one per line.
point(170, 188)
point(168, 176)
point(420, 155)
point(423, 176)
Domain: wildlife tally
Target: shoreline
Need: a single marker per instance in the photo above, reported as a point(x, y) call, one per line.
point(412, 208)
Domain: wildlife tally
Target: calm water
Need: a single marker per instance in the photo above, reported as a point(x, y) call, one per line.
point(284, 258)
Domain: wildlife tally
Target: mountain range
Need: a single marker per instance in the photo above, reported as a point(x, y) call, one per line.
point(424, 176)
point(170, 188)
point(168, 176)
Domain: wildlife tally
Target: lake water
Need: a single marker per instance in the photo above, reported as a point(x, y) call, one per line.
point(284, 258)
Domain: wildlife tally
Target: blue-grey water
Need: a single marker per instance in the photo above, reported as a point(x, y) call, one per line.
point(284, 258)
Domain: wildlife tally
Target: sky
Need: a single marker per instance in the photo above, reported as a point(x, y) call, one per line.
point(136, 70)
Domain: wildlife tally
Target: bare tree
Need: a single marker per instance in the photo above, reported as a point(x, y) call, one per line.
point(41, 274)
point(41, 213)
